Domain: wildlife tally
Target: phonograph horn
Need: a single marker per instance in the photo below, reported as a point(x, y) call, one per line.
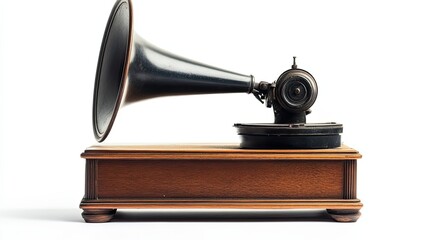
point(130, 69)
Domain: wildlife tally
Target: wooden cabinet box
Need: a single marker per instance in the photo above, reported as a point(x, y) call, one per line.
point(214, 176)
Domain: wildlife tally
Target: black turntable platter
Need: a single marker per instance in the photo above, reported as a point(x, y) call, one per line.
point(290, 136)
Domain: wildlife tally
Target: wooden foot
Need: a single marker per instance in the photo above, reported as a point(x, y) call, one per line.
point(344, 215)
point(98, 215)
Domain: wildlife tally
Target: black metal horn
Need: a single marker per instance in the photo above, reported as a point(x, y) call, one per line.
point(130, 69)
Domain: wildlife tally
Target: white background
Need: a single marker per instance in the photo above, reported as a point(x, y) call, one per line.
point(370, 59)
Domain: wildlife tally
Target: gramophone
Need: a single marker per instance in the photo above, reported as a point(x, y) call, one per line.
point(131, 69)
point(285, 164)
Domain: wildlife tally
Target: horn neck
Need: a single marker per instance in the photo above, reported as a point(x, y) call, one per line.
point(154, 72)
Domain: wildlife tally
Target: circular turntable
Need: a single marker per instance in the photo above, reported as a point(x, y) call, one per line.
point(290, 136)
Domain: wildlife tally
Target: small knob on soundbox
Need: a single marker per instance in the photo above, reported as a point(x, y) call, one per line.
point(294, 66)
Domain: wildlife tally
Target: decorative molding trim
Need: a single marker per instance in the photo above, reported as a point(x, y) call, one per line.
point(350, 172)
point(91, 179)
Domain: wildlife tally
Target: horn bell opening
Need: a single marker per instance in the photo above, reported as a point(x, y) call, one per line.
point(112, 68)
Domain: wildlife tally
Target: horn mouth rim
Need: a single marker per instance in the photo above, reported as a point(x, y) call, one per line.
point(101, 132)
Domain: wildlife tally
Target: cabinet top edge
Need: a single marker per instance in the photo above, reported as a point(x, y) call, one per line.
point(187, 149)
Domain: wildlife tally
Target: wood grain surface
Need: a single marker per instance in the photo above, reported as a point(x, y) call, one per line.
point(220, 179)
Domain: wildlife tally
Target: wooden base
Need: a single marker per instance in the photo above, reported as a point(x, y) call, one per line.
point(219, 177)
